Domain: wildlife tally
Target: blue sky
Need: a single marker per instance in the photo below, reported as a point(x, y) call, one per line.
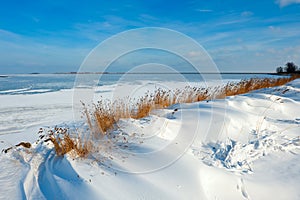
point(240, 35)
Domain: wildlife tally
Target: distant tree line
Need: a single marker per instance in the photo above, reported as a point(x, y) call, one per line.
point(289, 68)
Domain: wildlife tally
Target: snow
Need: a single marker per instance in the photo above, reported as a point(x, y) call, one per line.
point(241, 147)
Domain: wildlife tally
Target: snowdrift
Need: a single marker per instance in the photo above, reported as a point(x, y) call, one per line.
point(241, 147)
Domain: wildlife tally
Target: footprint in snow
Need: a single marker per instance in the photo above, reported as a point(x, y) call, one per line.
point(241, 186)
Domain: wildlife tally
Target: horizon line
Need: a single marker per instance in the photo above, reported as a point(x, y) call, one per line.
point(272, 73)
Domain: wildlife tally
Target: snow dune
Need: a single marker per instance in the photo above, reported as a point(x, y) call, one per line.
point(241, 147)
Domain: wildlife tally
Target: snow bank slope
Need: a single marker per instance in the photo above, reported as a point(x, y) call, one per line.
point(242, 147)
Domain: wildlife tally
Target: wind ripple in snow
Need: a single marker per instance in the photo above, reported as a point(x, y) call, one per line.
point(40, 174)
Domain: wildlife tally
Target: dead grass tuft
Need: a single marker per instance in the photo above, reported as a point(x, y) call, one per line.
point(64, 143)
point(24, 144)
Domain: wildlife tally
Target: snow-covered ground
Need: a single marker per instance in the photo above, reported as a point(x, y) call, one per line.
point(241, 147)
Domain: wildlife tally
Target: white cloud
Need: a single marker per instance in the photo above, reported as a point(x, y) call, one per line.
point(233, 21)
point(6, 33)
point(274, 29)
point(110, 25)
point(283, 3)
point(25, 54)
point(35, 19)
point(204, 10)
point(246, 14)
point(193, 54)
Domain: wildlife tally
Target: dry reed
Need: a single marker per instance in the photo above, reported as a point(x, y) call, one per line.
point(64, 143)
point(105, 115)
